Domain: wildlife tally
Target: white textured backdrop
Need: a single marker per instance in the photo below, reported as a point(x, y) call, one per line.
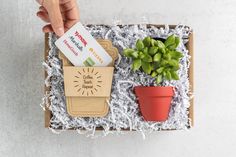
point(21, 81)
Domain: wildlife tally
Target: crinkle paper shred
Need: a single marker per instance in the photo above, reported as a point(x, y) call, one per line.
point(124, 112)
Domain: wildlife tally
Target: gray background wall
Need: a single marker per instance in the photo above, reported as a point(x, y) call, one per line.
point(21, 81)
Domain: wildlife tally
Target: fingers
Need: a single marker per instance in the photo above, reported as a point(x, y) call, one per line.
point(41, 8)
point(64, 1)
point(53, 9)
point(69, 24)
point(44, 16)
point(71, 14)
point(67, 5)
point(47, 28)
point(61, 14)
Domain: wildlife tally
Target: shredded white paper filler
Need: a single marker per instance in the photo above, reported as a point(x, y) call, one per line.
point(124, 112)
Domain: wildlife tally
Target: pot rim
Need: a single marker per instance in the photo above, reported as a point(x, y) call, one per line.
point(154, 91)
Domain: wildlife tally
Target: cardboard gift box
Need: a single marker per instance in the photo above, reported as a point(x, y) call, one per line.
point(102, 110)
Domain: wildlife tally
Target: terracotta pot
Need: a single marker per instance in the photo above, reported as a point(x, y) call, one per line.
point(154, 102)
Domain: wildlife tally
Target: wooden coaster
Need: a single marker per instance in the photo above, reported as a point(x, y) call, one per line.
point(87, 89)
point(111, 50)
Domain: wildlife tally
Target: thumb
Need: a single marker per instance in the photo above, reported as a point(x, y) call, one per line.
point(55, 16)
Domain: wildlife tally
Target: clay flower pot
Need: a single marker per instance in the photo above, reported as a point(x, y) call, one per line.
point(154, 102)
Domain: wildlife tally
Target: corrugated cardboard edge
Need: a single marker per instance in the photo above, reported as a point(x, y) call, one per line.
point(47, 112)
point(190, 47)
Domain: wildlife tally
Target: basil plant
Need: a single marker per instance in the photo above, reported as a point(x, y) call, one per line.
point(158, 59)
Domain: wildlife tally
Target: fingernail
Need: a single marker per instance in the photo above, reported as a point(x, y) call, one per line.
point(40, 9)
point(60, 31)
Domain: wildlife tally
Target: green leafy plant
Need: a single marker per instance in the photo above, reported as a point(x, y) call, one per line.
point(158, 59)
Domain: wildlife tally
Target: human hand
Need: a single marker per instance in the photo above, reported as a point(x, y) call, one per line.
point(60, 14)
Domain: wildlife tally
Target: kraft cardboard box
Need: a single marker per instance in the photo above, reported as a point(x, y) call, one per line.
point(190, 47)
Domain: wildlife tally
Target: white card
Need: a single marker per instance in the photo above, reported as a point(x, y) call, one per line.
point(78, 45)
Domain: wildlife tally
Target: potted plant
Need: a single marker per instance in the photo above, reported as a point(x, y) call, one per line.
point(160, 59)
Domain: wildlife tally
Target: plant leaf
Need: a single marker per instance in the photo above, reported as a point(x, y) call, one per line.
point(159, 79)
point(167, 56)
point(160, 44)
point(147, 58)
point(164, 62)
point(135, 54)
point(153, 42)
point(168, 75)
point(145, 50)
point(153, 50)
point(141, 55)
point(177, 41)
point(174, 75)
point(175, 68)
point(173, 63)
point(164, 73)
point(160, 70)
point(176, 54)
point(157, 57)
point(128, 52)
point(172, 47)
point(147, 41)
point(162, 50)
point(146, 67)
point(154, 74)
point(156, 65)
point(136, 64)
point(170, 41)
point(139, 45)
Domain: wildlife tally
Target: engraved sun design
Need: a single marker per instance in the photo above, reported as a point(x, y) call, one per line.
point(87, 81)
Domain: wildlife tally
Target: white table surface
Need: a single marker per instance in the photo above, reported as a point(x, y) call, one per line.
point(22, 132)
